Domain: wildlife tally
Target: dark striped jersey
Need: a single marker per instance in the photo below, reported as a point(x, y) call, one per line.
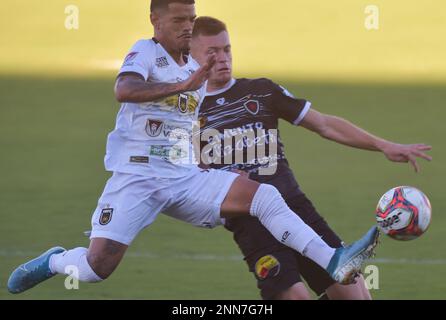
point(244, 116)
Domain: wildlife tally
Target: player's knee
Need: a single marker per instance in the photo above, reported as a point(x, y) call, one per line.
point(269, 190)
point(296, 292)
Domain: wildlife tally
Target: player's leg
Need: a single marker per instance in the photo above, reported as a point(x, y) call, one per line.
point(274, 265)
point(204, 195)
point(266, 203)
point(316, 277)
point(278, 275)
point(122, 212)
point(277, 268)
point(94, 264)
point(91, 265)
point(104, 256)
point(356, 291)
point(128, 204)
point(321, 283)
point(297, 291)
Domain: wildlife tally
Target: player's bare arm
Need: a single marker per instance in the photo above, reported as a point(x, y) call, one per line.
point(132, 88)
point(344, 132)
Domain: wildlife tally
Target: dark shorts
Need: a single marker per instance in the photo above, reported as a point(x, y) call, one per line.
point(275, 266)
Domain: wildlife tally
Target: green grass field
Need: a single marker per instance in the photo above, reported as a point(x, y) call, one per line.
point(57, 106)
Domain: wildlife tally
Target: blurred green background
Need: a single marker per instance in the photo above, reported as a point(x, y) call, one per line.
point(57, 106)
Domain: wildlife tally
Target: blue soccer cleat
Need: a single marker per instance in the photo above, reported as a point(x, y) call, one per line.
point(32, 272)
point(345, 265)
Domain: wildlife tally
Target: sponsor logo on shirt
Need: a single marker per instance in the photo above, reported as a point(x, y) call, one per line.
point(162, 62)
point(267, 267)
point(168, 130)
point(139, 159)
point(169, 153)
point(154, 127)
point(221, 101)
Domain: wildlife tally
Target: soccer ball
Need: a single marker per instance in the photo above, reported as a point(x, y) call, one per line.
point(403, 213)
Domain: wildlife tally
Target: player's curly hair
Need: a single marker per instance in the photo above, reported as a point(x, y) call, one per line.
point(208, 26)
point(162, 4)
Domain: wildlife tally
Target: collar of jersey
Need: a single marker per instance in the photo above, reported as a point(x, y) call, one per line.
point(187, 57)
point(226, 88)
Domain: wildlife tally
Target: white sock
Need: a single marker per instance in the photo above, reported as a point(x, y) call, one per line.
point(63, 263)
point(318, 251)
point(288, 228)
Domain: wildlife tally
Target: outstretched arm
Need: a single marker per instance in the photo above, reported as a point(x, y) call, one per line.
point(344, 132)
point(131, 87)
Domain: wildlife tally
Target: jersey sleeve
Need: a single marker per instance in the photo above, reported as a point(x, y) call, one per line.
point(288, 107)
point(138, 60)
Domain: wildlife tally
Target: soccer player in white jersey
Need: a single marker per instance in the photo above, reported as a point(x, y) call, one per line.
point(160, 88)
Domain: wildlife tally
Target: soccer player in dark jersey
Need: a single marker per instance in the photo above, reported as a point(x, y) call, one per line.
point(234, 106)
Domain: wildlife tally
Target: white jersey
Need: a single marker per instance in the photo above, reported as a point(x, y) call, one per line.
point(147, 136)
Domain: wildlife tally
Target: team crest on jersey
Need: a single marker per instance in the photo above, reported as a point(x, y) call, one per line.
point(267, 267)
point(252, 106)
point(106, 216)
point(182, 102)
point(162, 62)
point(154, 127)
point(221, 101)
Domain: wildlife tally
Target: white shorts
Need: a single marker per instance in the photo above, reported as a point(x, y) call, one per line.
point(131, 203)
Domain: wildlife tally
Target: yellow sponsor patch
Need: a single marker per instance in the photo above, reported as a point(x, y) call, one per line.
point(185, 103)
point(267, 267)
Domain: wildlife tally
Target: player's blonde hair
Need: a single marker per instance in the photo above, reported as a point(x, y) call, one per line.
point(208, 26)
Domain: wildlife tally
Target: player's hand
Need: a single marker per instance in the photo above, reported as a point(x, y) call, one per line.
point(407, 153)
point(199, 77)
